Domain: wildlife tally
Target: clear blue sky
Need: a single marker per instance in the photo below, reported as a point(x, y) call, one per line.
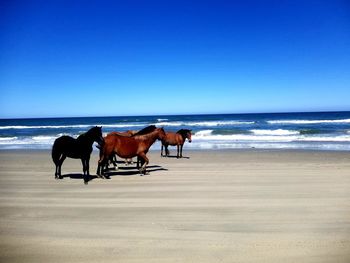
point(105, 58)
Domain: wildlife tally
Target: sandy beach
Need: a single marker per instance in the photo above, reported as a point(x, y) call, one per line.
point(212, 206)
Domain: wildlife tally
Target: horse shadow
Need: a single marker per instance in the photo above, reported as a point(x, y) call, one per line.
point(174, 156)
point(122, 171)
point(79, 176)
point(129, 171)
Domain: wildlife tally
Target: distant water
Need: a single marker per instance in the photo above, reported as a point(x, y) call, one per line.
point(321, 131)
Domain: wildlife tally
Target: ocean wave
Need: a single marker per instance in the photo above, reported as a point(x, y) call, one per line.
point(279, 136)
point(308, 121)
point(203, 133)
point(161, 122)
point(312, 131)
point(31, 140)
point(271, 145)
point(277, 132)
point(5, 139)
point(340, 138)
point(244, 137)
point(43, 138)
point(206, 139)
point(174, 123)
point(204, 123)
point(121, 125)
point(43, 127)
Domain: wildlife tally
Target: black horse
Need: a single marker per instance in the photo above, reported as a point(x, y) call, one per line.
point(80, 148)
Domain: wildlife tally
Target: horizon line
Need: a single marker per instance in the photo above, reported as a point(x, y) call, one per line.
point(160, 115)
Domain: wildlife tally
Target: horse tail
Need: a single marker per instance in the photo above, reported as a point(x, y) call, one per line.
point(55, 153)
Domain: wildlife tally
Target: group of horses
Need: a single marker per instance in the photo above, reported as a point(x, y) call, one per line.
point(126, 145)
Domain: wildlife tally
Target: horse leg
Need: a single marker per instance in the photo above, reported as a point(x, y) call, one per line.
point(166, 150)
point(87, 166)
point(145, 162)
point(112, 159)
point(115, 163)
point(85, 162)
point(56, 161)
point(178, 151)
point(101, 156)
point(181, 146)
point(56, 172)
point(60, 162)
point(100, 169)
point(84, 169)
point(101, 162)
point(138, 162)
point(102, 166)
point(161, 150)
point(56, 168)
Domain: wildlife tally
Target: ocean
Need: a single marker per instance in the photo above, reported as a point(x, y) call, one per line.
point(310, 130)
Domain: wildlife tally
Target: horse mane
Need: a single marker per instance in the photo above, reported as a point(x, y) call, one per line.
point(183, 132)
point(90, 131)
point(146, 130)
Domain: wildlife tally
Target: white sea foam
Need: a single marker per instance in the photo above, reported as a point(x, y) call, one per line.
point(121, 125)
point(203, 133)
point(6, 139)
point(43, 138)
point(207, 135)
point(174, 123)
point(205, 139)
point(161, 122)
point(267, 136)
point(204, 123)
point(277, 132)
point(308, 121)
point(339, 138)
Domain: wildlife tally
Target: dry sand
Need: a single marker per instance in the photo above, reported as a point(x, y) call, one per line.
point(216, 206)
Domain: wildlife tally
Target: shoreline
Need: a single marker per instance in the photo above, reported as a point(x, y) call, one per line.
point(211, 206)
point(173, 148)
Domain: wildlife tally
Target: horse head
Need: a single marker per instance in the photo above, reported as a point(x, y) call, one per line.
point(185, 133)
point(96, 134)
point(189, 135)
point(161, 134)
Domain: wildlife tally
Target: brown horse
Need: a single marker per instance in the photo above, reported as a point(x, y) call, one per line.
point(177, 139)
point(113, 158)
point(129, 147)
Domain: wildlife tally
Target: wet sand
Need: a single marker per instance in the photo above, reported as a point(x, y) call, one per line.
point(214, 206)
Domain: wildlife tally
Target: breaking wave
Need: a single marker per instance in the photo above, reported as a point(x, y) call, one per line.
point(204, 123)
point(307, 121)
